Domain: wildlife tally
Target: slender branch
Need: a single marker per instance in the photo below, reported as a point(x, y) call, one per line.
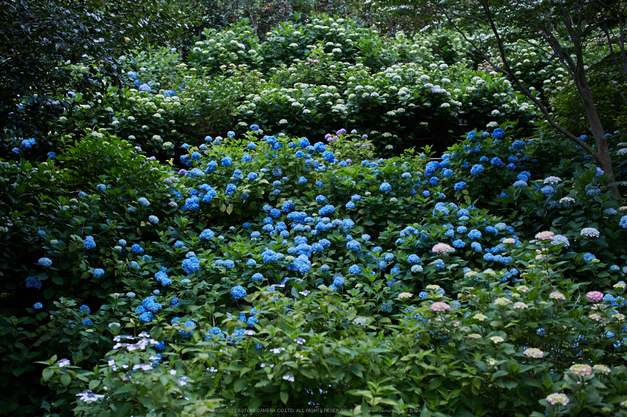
point(545, 111)
point(621, 43)
point(613, 54)
point(564, 57)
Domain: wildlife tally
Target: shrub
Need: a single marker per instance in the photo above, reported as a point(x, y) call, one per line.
point(242, 296)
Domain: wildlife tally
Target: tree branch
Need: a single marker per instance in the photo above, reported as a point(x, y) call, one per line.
point(545, 111)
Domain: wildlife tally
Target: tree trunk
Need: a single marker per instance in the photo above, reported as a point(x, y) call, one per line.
point(602, 154)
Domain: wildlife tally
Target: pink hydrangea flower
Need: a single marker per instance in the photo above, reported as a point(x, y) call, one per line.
point(581, 370)
point(442, 248)
point(440, 306)
point(594, 296)
point(561, 399)
point(546, 235)
point(555, 295)
point(534, 353)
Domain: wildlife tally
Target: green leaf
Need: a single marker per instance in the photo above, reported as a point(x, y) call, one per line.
point(240, 384)
point(47, 374)
point(122, 409)
point(284, 397)
point(308, 373)
point(263, 383)
point(66, 379)
point(355, 369)
point(499, 374)
point(334, 361)
point(156, 332)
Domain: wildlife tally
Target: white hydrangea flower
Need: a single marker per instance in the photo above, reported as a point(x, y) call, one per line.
point(590, 232)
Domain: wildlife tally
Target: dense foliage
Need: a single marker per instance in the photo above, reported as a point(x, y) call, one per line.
point(41, 41)
point(304, 79)
point(286, 267)
point(258, 225)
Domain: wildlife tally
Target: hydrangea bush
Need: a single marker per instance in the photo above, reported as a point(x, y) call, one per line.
point(283, 272)
point(570, 198)
point(302, 80)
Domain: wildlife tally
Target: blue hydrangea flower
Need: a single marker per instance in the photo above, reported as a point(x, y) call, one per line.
point(491, 230)
point(354, 269)
point(548, 191)
point(191, 265)
point(588, 257)
point(38, 306)
point(460, 186)
point(89, 242)
point(458, 243)
point(474, 234)
point(190, 327)
point(238, 292)
point(46, 262)
point(32, 282)
point(98, 272)
point(191, 204)
point(230, 189)
point(439, 264)
point(338, 280)
point(326, 210)
point(353, 245)
point(385, 187)
point(476, 169)
point(207, 234)
point(498, 133)
point(496, 161)
point(143, 201)
point(440, 209)
point(413, 259)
